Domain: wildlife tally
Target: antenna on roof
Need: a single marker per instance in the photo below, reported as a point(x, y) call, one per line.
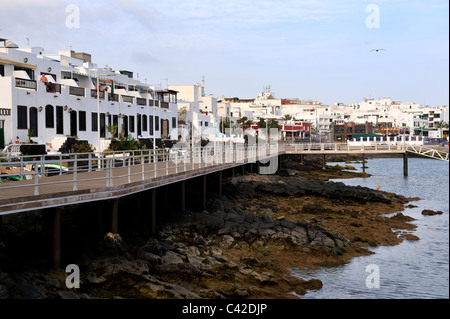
point(28, 42)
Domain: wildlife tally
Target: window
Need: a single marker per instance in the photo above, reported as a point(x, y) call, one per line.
point(82, 120)
point(22, 117)
point(144, 122)
point(156, 123)
point(131, 125)
point(94, 124)
point(102, 125)
point(2, 70)
point(49, 117)
point(206, 123)
point(174, 122)
point(150, 122)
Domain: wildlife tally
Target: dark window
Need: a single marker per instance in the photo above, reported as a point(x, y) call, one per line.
point(102, 125)
point(22, 117)
point(144, 122)
point(49, 117)
point(116, 122)
point(2, 70)
point(151, 124)
point(59, 120)
point(156, 123)
point(34, 121)
point(131, 124)
point(174, 122)
point(82, 120)
point(94, 123)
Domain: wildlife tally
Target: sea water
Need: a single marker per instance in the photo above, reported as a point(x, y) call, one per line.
point(413, 269)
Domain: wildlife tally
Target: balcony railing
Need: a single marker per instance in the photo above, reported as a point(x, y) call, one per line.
point(77, 91)
point(53, 88)
point(128, 99)
point(113, 97)
point(94, 94)
point(26, 84)
point(141, 101)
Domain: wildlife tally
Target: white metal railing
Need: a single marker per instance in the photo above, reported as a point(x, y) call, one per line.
point(426, 151)
point(138, 165)
point(148, 164)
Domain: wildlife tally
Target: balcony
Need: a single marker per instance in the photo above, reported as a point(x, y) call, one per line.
point(141, 101)
point(127, 99)
point(52, 88)
point(113, 97)
point(77, 91)
point(26, 84)
point(94, 94)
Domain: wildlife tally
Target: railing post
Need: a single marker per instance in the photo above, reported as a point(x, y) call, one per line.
point(155, 162)
point(36, 187)
point(107, 173)
point(142, 168)
point(129, 170)
point(75, 169)
point(60, 164)
point(167, 161)
point(90, 162)
point(110, 173)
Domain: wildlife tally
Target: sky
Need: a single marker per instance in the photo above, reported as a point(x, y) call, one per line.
point(306, 49)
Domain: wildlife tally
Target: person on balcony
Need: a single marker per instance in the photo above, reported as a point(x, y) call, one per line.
point(44, 79)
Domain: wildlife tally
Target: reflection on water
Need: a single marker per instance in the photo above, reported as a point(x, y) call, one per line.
point(413, 269)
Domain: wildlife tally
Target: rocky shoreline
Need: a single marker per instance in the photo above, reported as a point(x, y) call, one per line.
point(243, 246)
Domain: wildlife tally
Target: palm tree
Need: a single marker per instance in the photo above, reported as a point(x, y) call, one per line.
point(245, 122)
point(440, 126)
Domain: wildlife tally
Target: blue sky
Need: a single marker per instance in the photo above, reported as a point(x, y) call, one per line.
point(307, 49)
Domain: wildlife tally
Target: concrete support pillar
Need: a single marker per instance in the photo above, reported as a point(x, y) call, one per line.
point(56, 237)
point(204, 192)
point(324, 162)
point(364, 163)
point(243, 170)
point(115, 216)
point(153, 213)
point(183, 196)
point(232, 172)
point(405, 164)
point(301, 159)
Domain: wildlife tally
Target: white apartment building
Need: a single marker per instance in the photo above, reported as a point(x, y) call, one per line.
point(197, 110)
point(54, 96)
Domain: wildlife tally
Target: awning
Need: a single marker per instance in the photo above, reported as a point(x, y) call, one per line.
point(15, 63)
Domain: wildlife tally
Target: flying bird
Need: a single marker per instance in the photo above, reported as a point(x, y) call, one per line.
point(376, 50)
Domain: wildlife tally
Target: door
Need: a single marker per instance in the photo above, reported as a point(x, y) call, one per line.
point(34, 121)
point(73, 123)
point(139, 125)
point(125, 126)
point(164, 128)
point(59, 120)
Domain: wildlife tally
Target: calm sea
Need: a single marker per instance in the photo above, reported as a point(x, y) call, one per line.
point(412, 269)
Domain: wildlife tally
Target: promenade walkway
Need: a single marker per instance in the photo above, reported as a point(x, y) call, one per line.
point(78, 178)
